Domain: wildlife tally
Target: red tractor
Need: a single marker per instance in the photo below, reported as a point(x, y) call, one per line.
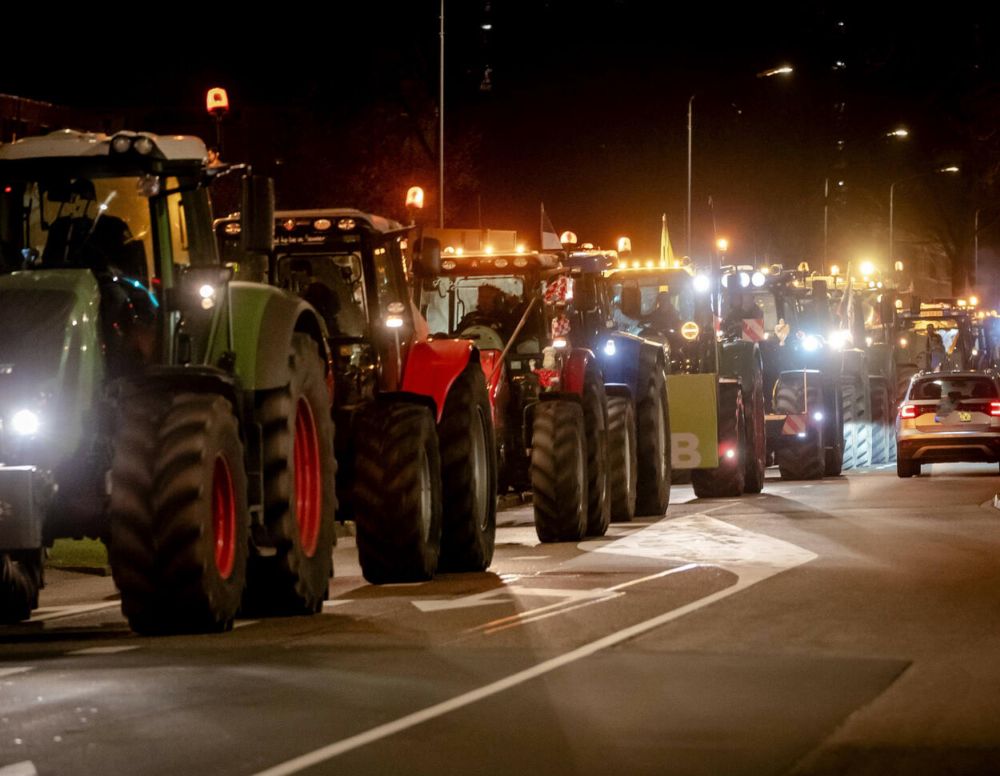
point(550, 407)
point(415, 437)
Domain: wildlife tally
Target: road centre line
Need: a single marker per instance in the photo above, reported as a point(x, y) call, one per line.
point(104, 650)
point(751, 570)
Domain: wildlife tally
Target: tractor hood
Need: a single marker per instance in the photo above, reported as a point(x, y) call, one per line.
point(50, 362)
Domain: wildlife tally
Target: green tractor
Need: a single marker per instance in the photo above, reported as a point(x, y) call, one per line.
point(149, 399)
point(715, 383)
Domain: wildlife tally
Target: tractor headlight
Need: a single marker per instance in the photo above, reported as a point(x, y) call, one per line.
point(810, 343)
point(744, 280)
point(818, 417)
point(758, 279)
point(702, 283)
point(25, 423)
point(839, 339)
point(609, 348)
point(207, 294)
point(559, 343)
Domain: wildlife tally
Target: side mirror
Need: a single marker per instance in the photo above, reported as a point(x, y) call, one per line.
point(632, 301)
point(887, 313)
point(257, 215)
point(427, 257)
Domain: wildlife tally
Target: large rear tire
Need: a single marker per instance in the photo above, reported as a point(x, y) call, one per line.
point(559, 471)
point(653, 447)
point(20, 581)
point(179, 534)
point(728, 478)
point(300, 501)
point(622, 466)
point(469, 475)
point(397, 492)
point(595, 421)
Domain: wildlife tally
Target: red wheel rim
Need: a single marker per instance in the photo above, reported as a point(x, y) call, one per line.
point(223, 517)
point(308, 484)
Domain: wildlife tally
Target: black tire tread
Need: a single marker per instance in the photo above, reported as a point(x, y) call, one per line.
point(559, 496)
point(466, 543)
point(290, 582)
point(393, 440)
point(621, 458)
point(725, 481)
point(652, 490)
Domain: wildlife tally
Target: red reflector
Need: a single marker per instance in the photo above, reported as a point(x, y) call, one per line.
point(995, 408)
point(8, 189)
point(909, 411)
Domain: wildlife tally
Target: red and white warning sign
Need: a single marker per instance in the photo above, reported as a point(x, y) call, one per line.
point(753, 329)
point(794, 425)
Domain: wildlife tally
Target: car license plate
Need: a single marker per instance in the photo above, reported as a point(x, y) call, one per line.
point(965, 417)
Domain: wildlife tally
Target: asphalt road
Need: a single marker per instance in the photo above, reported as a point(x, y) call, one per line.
point(847, 626)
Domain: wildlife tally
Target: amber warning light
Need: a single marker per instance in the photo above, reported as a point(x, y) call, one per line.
point(415, 197)
point(217, 101)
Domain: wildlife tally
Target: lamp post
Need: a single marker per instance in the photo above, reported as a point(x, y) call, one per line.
point(892, 190)
point(441, 126)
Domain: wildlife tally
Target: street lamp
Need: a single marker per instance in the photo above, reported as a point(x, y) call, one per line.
point(782, 70)
point(892, 188)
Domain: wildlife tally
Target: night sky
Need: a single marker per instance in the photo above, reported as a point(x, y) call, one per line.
point(585, 109)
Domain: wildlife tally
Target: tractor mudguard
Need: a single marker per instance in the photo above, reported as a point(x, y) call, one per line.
point(575, 368)
point(623, 365)
point(264, 319)
point(432, 366)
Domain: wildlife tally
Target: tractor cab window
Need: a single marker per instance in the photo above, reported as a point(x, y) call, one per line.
point(330, 282)
point(102, 224)
point(485, 308)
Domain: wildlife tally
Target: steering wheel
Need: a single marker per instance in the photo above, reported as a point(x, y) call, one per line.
point(485, 337)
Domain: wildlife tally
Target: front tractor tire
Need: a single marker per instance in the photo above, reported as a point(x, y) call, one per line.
point(653, 447)
point(397, 492)
point(300, 500)
point(20, 580)
point(622, 464)
point(728, 478)
point(559, 471)
point(595, 423)
point(755, 433)
point(180, 524)
point(469, 474)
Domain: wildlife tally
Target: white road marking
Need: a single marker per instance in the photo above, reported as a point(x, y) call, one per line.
point(336, 602)
point(501, 595)
point(24, 768)
point(544, 612)
point(531, 557)
point(13, 672)
point(103, 650)
point(727, 539)
point(58, 612)
point(244, 623)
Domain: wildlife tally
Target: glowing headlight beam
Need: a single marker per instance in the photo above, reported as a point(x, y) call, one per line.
point(25, 423)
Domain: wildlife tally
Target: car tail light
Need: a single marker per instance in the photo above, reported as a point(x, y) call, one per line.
point(995, 408)
point(909, 411)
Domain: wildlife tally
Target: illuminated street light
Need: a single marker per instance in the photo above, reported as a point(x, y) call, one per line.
point(722, 244)
point(898, 132)
point(624, 245)
point(783, 70)
point(867, 268)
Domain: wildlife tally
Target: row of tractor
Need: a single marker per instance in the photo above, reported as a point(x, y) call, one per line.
point(175, 394)
point(208, 395)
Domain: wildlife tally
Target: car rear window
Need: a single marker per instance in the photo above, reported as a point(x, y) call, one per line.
point(955, 388)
